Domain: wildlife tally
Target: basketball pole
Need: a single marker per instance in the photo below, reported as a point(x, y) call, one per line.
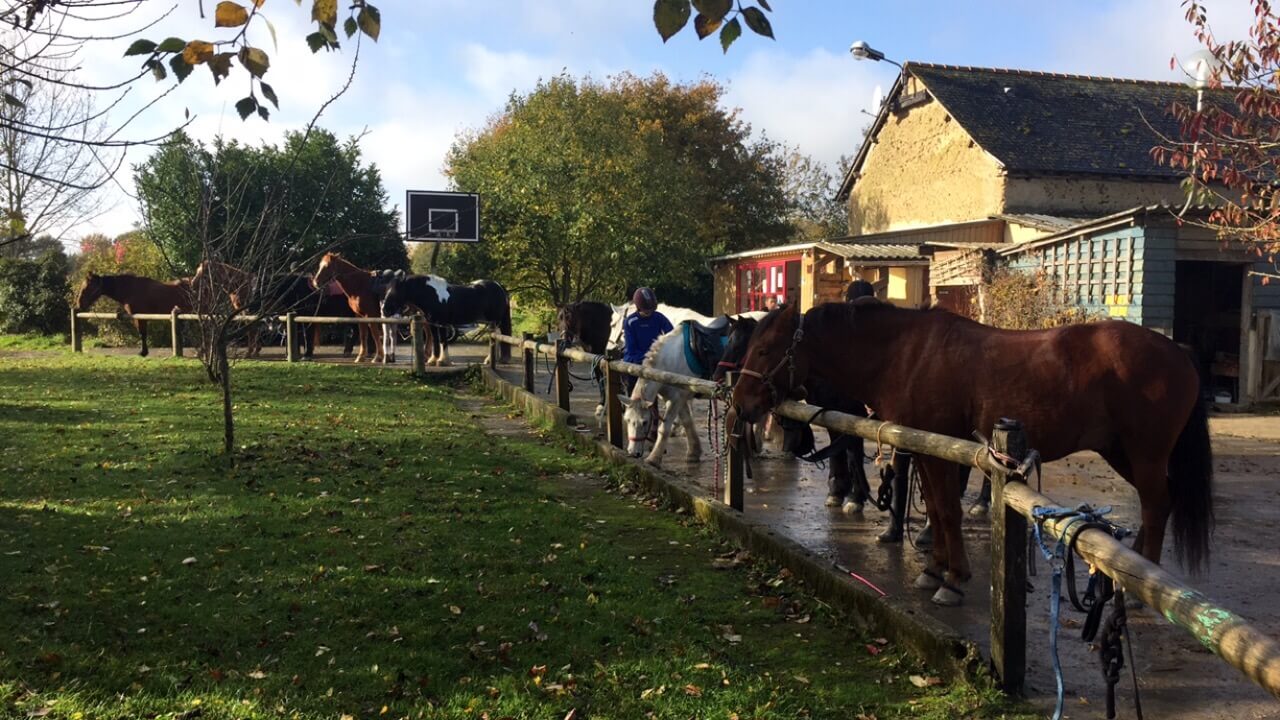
point(435, 253)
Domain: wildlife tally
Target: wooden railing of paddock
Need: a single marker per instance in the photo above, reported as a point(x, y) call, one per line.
point(416, 323)
point(1228, 635)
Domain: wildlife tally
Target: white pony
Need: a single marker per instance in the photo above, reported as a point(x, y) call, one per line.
point(640, 410)
point(675, 314)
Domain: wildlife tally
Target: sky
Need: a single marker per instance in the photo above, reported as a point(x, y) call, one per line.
point(441, 67)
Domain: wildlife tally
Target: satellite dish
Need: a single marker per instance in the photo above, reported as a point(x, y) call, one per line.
point(1201, 67)
point(877, 98)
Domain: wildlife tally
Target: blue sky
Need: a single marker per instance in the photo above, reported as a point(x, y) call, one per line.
point(442, 66)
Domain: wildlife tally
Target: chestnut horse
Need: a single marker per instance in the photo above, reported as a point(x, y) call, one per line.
point(213, 276)
point(357, 284)
point(138, 295)
point(1123, 391)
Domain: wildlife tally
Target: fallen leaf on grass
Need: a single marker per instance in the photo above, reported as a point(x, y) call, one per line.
point(801, 679)
point(692, 690)
point(189, 561)
point(924, 682)
point(455, 609)
point(258, 675)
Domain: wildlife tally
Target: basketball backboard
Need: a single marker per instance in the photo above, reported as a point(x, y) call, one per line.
point(442, 216)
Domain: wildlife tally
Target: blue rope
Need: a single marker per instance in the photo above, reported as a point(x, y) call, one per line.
point(1057, 557)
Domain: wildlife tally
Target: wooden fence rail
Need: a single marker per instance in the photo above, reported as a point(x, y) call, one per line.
point(416, 323)
point(1230, 636)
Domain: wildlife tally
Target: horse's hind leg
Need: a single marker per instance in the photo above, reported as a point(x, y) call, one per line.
point(142, 330)
point(948, 544)
point(1152, 482)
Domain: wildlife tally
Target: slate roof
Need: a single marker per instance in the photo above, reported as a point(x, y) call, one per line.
point(1036, 122)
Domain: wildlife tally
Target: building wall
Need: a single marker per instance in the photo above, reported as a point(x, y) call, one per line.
point(724, 279)
point(924, 169)
point(1085, 197)
point(1111, 274)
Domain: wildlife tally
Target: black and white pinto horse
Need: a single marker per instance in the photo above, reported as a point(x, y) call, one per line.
point(448, 307)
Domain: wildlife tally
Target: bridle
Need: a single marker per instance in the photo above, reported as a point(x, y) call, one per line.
point(788, 360)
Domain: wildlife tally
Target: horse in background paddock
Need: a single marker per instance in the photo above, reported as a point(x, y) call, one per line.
point(1123, 391)
point(358, 285)
point(447, 307)
point(586, 323)
point(138, 295)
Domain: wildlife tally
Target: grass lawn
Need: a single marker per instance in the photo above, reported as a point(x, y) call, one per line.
point(36, 341)
point(374, 553)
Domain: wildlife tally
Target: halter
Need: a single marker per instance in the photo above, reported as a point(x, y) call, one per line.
point(789, 360)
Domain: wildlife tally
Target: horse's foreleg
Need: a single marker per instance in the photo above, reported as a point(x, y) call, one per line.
point(691, 438)
point(838, 482)
point(664, 431)
point(361, 332)
point(444, 350)
point(142, 331)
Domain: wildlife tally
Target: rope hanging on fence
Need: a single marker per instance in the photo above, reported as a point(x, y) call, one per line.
point(1061, 561)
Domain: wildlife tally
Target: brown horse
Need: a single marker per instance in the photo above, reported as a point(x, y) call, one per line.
point(217, 277)
point(357, 285)
point(1128, 393)
point(138, 295)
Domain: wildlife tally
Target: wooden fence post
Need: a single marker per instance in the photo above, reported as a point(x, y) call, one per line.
point(613, 406)
point(291, 337)
point(1008, 567)
point(528, 361)
point(493, 351)
point(735, 468)
point(77, 332)
point(562, 377)
point(176, 338)
point(418, 336)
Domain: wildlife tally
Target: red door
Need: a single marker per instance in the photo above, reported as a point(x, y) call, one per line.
point(760, 280)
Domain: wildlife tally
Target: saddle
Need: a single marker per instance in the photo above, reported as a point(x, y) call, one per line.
point(704, 344)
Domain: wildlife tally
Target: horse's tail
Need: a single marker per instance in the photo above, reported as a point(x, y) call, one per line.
point(1191, 490)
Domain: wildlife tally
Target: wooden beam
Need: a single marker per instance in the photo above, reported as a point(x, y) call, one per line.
point(1228, 635)
point(1008, 567)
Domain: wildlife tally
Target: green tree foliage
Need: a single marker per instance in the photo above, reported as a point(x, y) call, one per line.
point(725, 16)
point(33, 293)
point(592, 188)
point(313, 194)
point(811, 190)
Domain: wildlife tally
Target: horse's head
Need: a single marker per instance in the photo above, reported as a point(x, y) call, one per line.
point(740, 330)
point(568, 321)
point(774, 366)
point(640, 418)
point(326, 271)
point(90, 291)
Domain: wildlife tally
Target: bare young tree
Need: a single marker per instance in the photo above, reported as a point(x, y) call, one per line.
point(47, 181)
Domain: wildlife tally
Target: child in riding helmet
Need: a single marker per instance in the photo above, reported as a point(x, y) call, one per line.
point(640, 329)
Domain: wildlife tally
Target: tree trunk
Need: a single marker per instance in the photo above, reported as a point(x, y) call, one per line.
point(228, 420)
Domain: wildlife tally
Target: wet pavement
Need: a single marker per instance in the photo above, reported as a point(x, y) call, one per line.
point(1179, 677)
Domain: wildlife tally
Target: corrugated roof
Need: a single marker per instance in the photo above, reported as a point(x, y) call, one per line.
point(1051, 223)
point(872, 251)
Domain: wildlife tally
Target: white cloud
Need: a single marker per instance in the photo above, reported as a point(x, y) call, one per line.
point(813, 102)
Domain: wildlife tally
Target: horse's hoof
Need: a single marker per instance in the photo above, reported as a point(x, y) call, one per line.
point(947, 597)
point(980, 509)
point(890, 536)
point(925, 538)
point(851, 508)
point(925, 581)
point(834, 501)
point(654, 461)
point(599, 411)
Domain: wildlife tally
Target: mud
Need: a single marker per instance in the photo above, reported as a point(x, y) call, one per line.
point(1178, 677)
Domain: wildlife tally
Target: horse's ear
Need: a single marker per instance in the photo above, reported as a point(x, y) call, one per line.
point(624, 399)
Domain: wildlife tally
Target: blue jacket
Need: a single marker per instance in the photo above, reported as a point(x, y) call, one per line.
point(639, 332)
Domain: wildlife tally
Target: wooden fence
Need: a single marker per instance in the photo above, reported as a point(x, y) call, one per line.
point(1228, 635)
point(416, 323)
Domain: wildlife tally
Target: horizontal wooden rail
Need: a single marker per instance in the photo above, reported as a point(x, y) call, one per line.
point(317, 320)
point(1228, 635)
